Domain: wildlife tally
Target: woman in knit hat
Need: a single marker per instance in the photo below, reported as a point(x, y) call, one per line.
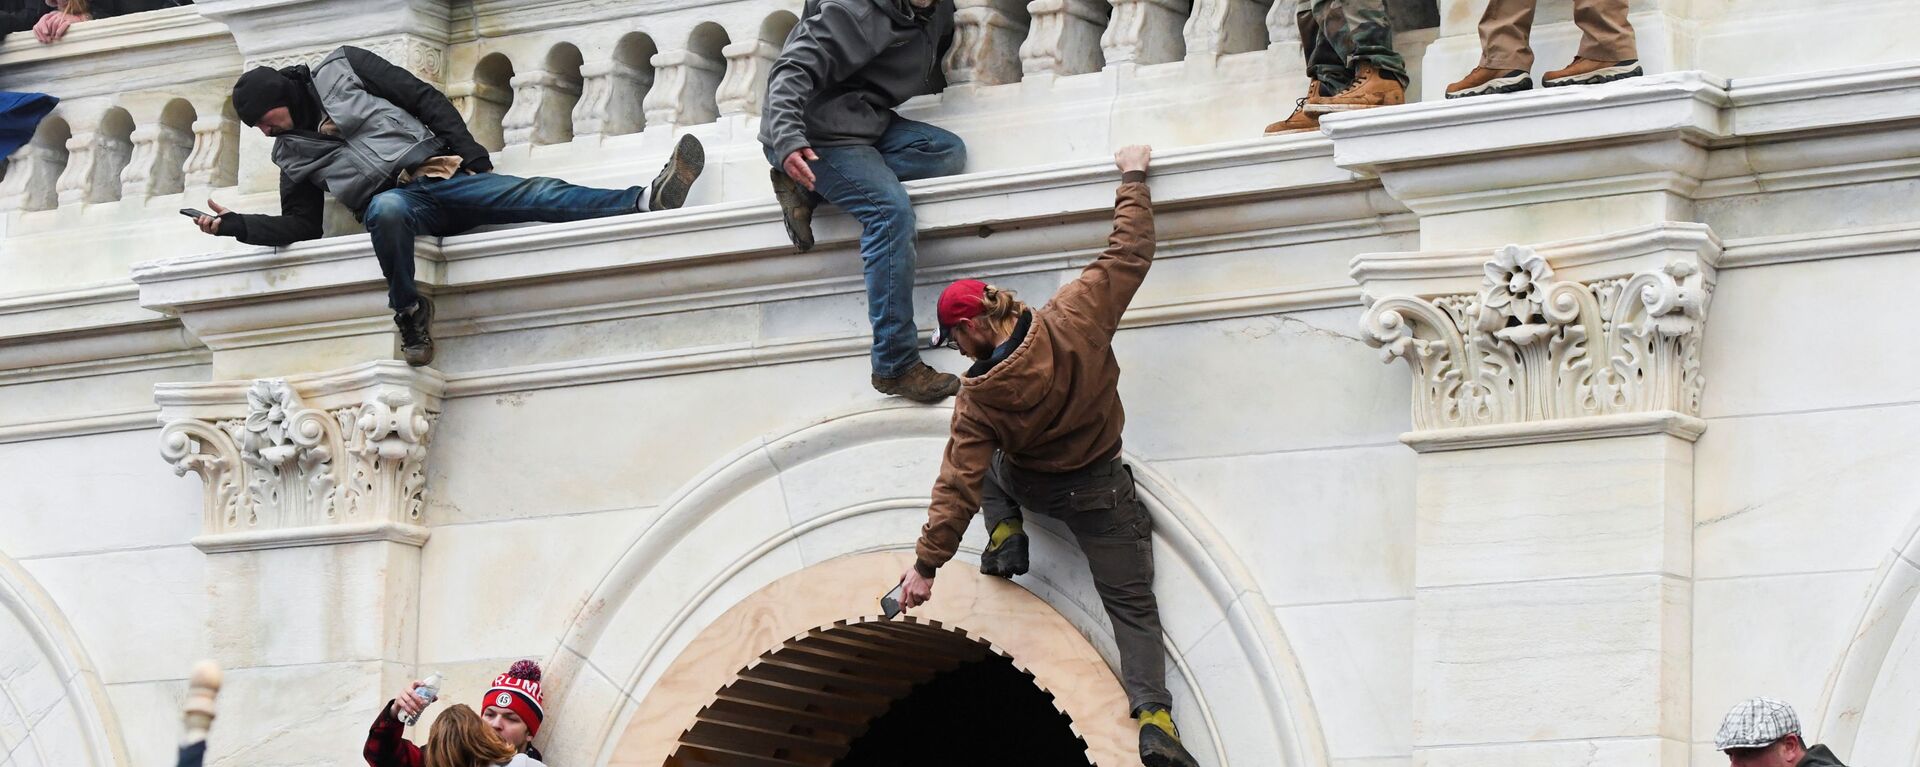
point(511, 709)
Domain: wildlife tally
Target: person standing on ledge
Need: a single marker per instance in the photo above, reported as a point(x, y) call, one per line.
point(831, 132)
point(1506, 56)
point(1037, 427)
point(1351, 63)
point(395, 152)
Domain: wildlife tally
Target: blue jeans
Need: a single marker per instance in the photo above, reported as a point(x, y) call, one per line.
point(446, 207)
point(865, 181)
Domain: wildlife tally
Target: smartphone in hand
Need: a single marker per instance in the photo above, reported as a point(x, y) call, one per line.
point(193, 213)
point(890, 602)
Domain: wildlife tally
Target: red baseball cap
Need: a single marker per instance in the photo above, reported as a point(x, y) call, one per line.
point(962, 300)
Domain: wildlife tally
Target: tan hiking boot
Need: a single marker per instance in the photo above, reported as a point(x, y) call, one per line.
point(1369, 89)
point(921, 383)
point(1590, 72)
point(1301, 120)
point(1485, 80)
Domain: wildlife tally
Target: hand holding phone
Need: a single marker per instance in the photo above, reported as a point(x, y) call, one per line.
point(890, 602)
point(194, 213)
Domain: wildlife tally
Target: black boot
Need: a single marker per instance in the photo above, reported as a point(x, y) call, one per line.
point(416, 333)
point(1010, 557)
point(1160, 740)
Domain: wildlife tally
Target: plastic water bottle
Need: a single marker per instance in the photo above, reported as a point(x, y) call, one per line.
point(430, 689)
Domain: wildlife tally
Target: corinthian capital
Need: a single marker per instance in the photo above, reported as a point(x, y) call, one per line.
point(293, 461)
point(1616, 332)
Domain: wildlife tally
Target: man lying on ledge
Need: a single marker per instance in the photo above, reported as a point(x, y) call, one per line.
point(396, 153)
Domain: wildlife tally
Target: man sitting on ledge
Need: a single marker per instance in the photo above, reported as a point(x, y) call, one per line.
point(1036, 427)
point(396, 153)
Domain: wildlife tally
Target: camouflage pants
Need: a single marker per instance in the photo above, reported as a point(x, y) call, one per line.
point(1337, 35)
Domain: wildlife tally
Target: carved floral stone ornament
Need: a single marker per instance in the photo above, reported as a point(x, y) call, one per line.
point(1532, 347)
point(281, 463)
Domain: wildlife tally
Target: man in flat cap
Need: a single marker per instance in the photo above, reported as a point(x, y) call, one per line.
point(395, 152)
point(1763, 732)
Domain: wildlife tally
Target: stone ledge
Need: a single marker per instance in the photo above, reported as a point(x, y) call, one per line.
point(1666, 422)
point(324, 535)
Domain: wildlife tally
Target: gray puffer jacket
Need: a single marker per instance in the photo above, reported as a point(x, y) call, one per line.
point(846, 65)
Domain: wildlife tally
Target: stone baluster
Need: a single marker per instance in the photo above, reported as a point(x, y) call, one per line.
point(31, 175)
point(683, 88)
point(1145, 31)
point(1283, 29)
point(94, 161)
point(158, 162)
point(214, 160)
point(610, 98)
point(1220, 27)
point(542, 110)
point(744, 88)
point(1063, 37)
point(986, 42)
point(484, 107)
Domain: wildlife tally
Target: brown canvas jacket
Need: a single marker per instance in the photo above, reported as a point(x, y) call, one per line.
point(1053, 404)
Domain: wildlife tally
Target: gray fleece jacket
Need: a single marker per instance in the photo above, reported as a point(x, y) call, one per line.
point(844, 68)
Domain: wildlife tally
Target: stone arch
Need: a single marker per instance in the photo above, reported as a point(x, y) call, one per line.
point(833, 488)
point(1869, 715)
point(707, 42)
point(51, 693)
point(692, 707)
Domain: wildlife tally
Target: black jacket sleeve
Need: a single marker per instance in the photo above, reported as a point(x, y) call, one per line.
point(299, 218)
point(430, 106)
point(20, 20)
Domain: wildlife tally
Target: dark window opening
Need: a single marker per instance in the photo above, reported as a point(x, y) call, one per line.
point(982, 712)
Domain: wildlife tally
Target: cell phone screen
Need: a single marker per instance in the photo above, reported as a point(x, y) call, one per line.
point(890, 602)
point(191, 213)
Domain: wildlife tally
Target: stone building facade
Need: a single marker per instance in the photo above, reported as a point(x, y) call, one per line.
point(1634, 456)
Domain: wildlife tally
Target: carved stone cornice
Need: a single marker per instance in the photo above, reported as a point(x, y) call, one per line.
point(1618, 332)
point(306, 460)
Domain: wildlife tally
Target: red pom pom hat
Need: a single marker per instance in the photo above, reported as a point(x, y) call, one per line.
point(518, 690)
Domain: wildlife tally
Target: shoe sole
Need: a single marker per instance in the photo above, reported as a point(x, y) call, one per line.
point(684, 166)
point(1321, 109)
point(801, 236)
point(894, 391)
point(1289, 131)
point(1597, 76)
point(992, 563)
point(1494, 86)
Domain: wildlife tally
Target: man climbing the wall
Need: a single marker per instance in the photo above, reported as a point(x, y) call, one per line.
point(395, 152)
point(831, 132)
point(1036, 428)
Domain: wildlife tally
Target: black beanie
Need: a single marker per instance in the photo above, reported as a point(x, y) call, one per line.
point(260, 90)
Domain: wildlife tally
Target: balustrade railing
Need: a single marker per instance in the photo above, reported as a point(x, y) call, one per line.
point(667, 68)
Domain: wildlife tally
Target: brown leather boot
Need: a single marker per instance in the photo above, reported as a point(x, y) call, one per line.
point(796, 209)
point(1590, 72)
point(921, 383)
point(1369, 89)
point(1484, 80)
point(1301, 120)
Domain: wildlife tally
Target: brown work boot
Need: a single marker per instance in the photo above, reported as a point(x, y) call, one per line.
point(1590, 72)
point(1301, 120)
point(1369, 89)
point(921, 383)
point(669, 189)
point(1484, 80)
point(796, 209)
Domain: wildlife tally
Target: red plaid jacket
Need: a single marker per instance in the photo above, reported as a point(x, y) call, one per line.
point(387, 745)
